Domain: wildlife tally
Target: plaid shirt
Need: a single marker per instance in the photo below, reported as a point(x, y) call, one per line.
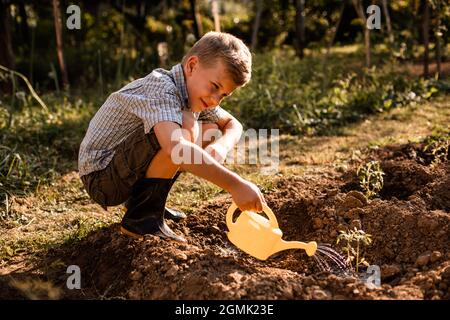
point(160, 96)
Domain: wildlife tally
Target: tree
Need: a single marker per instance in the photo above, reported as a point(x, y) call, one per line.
point(388, 21)
point(426, 30)
point(334, 31)
point(438, 35)
point(6, 51)
point(23, 22)
point(197, 18)
point(216, 15)
point(259, 8)
point(59, 43)
point(300, 27)
point(336, 27)
point(360, 11)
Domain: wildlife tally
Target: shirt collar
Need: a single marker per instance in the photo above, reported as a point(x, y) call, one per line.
point(180, 82)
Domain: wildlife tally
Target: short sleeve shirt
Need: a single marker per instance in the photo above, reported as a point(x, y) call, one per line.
point(160, 96)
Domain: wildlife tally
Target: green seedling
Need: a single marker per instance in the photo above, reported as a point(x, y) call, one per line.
point(439, 147)
point(370, 178)
point(358, 238)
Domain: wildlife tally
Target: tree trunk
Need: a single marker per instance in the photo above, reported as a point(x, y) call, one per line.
point(426, 30)
point(360, 11)
point(256, 23)
point(23, 23)
point(438, 57)
point(438, 35)
point(300, 27)
point(388, 21)
point(216, 15)
point(196, 17)
point(6, 51)
point(59, 43)
point(336, 28)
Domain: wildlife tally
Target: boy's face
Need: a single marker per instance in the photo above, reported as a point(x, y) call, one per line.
point(206, 86)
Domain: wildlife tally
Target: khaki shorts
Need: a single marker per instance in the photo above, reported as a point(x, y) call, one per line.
point(112, 185)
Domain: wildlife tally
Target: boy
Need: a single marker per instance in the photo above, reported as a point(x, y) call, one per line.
point(128, 153)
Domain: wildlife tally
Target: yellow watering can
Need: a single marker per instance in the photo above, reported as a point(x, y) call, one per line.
point(259, 237)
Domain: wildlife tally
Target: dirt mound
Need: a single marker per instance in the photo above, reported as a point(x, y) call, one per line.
point(417, 152)
point(409, 224)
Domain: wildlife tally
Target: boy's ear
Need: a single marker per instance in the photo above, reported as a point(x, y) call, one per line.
point(191, 64)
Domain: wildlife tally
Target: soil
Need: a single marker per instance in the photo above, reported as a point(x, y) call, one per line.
point(409, 224)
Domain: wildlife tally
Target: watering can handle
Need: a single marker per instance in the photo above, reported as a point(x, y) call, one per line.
point(266, 209)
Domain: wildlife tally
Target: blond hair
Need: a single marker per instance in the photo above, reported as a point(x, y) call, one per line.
point(232, 51)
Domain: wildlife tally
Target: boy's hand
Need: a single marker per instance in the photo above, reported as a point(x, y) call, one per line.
point(248, 197)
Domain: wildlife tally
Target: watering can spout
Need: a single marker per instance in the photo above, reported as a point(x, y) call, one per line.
point(309, 247)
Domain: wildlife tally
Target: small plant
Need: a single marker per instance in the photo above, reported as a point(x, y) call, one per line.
point(11, 163)
point(352, 237)
point(370, 178)
point(439, 147)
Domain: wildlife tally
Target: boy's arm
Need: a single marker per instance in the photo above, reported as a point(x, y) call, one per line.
point(231, 129)
point(246, 195)
point(231, 133)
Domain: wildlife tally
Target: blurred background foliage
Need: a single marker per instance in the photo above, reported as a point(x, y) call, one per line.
point(120, 39)
point(313, 67)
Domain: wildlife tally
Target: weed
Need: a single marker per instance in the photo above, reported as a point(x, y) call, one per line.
point(438, 145)
point(83, 227)
point(370, 178)
point(8, 216)
point(12, 163)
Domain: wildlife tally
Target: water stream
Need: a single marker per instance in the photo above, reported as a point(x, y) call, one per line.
point(328, 259)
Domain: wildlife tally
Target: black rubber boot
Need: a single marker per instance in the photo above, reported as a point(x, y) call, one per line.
point(172, 214)
point(146, 209)
point(175, 215)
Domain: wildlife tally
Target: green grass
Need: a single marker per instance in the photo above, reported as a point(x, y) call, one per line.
point(317, 96)
point(39, 145)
